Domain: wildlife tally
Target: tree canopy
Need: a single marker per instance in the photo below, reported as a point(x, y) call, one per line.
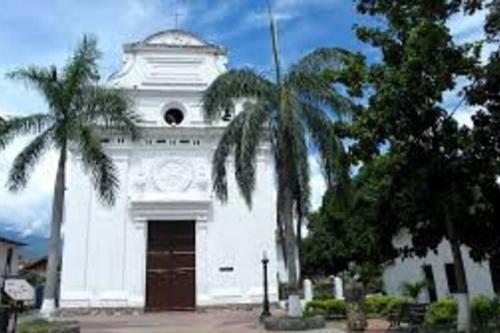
point(444, 176)
point(348, 228)
point(77, 106)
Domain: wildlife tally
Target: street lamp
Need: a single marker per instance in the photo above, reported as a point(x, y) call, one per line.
point(265, 304)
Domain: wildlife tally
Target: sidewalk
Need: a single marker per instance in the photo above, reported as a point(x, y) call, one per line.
point(215, 321)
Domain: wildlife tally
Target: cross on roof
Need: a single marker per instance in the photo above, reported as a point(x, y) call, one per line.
point(177, 14)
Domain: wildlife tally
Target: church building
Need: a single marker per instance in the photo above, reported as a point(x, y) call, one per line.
point(168, 243)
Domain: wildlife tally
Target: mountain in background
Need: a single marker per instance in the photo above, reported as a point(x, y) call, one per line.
point(36, 246)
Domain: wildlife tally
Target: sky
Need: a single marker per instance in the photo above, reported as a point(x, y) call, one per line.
point(46, 32)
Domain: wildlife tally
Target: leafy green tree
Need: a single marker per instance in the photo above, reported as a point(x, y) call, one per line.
point(484, 95)
point(348, 229)
point(78, 106)
point(443, 184)
point(295, 109)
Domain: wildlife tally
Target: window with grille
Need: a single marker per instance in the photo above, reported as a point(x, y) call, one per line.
point(451, 278)
point(495, 273)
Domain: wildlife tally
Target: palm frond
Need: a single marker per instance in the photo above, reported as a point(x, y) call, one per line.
point(110, 108)
point(302, 188)
point(101, 168)
point(82, 68)
point(32, 124)
point(256, 117)
point(320, 129)
point(330, 58)
point(229, 140)
point(234, 84)
point(292, 149)
point(45, 80)
point(413, 290)
point(317, 89)
point(26, 160)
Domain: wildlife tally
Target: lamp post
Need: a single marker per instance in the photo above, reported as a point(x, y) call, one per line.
point(265, 304)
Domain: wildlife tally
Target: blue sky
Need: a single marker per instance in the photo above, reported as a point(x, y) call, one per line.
point(46, 32)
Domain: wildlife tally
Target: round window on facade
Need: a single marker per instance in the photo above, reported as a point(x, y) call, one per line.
point(173, 117)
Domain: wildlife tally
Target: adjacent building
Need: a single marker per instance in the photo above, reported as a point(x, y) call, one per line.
point(438, 270)
point(9, 256)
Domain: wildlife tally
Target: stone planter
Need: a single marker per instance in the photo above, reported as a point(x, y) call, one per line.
point(356, 315)
point(49, 327)
point(293, 324)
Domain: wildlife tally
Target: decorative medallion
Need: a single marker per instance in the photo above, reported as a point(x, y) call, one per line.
point(172, 175)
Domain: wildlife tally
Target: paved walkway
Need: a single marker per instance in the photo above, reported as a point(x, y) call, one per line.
point(221, 321)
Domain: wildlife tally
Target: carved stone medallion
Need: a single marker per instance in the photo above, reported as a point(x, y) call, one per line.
point(172, 175)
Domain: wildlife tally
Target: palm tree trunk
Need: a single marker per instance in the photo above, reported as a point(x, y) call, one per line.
point(300, 221)
point(51, 285)
point(462, 295)
point(294, 308)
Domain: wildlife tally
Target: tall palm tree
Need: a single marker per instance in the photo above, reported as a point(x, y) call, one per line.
point(293, 112)
point(78, 108)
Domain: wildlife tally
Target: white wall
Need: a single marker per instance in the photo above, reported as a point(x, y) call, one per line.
point(410, 270)
point(104, 248)
point(237, 237)
point(164, 177)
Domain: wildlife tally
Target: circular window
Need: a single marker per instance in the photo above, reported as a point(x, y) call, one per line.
point(173, 116)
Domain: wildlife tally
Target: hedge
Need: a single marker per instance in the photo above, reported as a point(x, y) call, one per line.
point(485, 312)
point(442, 313)
point(379, 305)
point(44, 326)
point(330, 308)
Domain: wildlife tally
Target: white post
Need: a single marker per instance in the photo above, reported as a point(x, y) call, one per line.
point(463, 312)
point(308, 290)
point(339, 288)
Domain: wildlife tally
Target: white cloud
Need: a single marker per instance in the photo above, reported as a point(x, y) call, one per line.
point(27, 211)
point(467, 28)
point(463, 116)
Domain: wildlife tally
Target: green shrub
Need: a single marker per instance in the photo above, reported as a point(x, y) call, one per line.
point(35, 326)
point(324, 290)
point(330, 308)
point(484, 311)
point(442, 313)
point(44, 326)
point(380, 305)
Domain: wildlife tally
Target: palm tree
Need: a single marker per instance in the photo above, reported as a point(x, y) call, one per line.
point(78, 107)
point(292, 112)
point(413, 290)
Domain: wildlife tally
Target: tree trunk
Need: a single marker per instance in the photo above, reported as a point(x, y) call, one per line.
point(294, 308)
point(464, 312)
point(51, 285)
point(299, 248)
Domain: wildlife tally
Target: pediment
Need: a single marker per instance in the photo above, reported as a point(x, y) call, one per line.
point(175, 38)
point(170, 60)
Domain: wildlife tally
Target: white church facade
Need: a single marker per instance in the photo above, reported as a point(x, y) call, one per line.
point(168, 243)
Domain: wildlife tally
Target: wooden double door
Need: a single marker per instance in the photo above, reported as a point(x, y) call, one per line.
point(170, 276)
